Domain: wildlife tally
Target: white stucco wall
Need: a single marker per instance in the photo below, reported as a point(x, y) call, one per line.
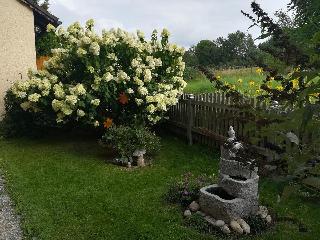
point(17, 44)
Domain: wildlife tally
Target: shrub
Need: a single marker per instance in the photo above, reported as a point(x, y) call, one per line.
point(115, 75)
point(17, 122)
point(192, 73)
point(45, 43)
point(257, 224)
point(127, 139)
point(187, 189)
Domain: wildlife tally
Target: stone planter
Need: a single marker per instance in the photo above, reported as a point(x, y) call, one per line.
point(216, 202)
point(138, 154)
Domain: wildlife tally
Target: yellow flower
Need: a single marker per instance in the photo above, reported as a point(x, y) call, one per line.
point(233, 87)
point(279, 88)
point(251, 83)
point(258, 91)
point(295, 83)
point(271, 78)
point(315, 94)
point(226, 83)
point(259, 70)
point(297, 69)
point(240, 80)
point(218, 77)
point(269, 84)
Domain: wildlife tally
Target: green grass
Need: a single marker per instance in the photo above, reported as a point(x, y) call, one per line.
point(65, 189)
point(202, 85)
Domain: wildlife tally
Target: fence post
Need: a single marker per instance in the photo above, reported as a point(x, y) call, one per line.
point(190, 111)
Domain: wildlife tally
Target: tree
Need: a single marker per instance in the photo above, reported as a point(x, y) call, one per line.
point(284, 47)
point(238, 49)
point(44, 4)
point(285, 21)
point(206, 52)
point(307, 30)
point(190, 57)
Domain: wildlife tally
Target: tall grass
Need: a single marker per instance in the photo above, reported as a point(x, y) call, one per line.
point(246, 80)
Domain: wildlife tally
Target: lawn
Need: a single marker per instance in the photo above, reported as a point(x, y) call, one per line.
point(65, 189)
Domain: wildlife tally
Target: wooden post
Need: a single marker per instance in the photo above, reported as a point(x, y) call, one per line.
point(190, 118)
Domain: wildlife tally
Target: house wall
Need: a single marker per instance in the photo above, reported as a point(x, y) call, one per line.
point(17, 44)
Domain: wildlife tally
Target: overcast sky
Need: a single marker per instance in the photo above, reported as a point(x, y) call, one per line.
point(188, 20)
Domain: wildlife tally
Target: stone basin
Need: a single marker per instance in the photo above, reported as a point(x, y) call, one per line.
point(235, 168)
point(217, 202)
point(241, 187)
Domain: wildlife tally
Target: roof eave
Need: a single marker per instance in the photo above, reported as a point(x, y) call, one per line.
point(41, 11)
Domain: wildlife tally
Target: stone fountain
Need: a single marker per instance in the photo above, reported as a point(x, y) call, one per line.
point(236, 194)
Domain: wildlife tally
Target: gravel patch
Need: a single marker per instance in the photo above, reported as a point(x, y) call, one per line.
point(9, 220)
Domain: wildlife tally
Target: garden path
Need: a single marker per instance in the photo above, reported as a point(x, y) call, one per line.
point(9, 220)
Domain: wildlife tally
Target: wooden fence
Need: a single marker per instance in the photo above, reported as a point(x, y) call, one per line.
point(40, 61)
point(206, 118)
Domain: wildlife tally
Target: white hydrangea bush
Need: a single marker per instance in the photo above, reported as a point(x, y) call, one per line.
point(116, 75)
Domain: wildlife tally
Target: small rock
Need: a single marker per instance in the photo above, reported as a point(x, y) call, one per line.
point(210, 220)
point(187, 213)
point(263, 211)
point(278, 199)
point(270, 167)
point(245, 226)
point(202, 214)
point(236, 227)
point(225, 229)
point(268, 219)
point(194, 206)
point(219, 223)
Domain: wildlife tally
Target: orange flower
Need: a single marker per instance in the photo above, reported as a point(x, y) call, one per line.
point(123, 98)
point(107, 123)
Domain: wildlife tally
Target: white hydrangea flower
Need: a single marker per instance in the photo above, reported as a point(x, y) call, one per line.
point(140, 34)
point(165, 33)
point(130, 91)
point(143, 90)
point(95, 48)
point(81, 52)
point(34, 97)
point(80, 113)
point(58, 91)
point(158, 62)
point(51, 28)
point(71, 99)
point(96, 124)
point(95, 102)
point(78, 90)
point(135, 63)
point(25, 105)
point(66, 110)
point(139, 101)
point(151, 108)
point(107, 77)
point(147, 75)
point(90, 23)
point(56, 105)
point(122, 76)
point(85, 40)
